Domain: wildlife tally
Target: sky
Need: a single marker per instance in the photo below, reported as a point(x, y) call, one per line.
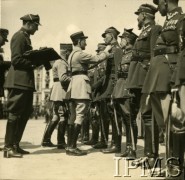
point(61, 18)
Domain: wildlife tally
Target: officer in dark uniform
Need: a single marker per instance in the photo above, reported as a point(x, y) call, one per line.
point(58, 93)
point(158, 80)
point(122, 96)
point(4, 65)
point(95, 105)
point(106, 111)
point(142, 53)
point(20, 85)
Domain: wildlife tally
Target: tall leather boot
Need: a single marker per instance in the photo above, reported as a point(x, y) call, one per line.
point(150, 149)
point(70, 130)
point(85, 130)
point(117, 139)
point(9, 150)
point(175, 166)
point(95, 133)
point(104, 135)
point(61, 135)
point(47, 136)
point(21, 124)
point(73, 150)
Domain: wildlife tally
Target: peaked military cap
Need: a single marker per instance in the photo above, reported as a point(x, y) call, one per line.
point(66, 47)
point(101, 47)
point(147, 8)
point(78, 35)
point(4, 33)
point(129, 34)
point(112, 30)
point(31, 17)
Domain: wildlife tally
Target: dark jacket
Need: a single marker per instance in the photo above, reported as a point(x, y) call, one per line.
point(166, 55)
point(21, 74)
point(142, 53)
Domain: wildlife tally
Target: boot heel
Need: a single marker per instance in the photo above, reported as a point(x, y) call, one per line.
point(6, 154)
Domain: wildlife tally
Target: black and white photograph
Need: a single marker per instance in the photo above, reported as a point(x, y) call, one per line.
point(92, 89)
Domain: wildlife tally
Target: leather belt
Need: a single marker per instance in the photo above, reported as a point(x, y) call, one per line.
point(55, 79)
point(166, 50)
point(79, 73)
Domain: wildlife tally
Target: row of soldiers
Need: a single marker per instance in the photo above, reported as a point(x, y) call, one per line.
point(144, 73)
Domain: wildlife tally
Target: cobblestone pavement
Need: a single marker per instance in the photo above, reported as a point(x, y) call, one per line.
point(51, 163)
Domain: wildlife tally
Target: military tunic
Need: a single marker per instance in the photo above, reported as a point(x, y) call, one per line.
point(60, 68)
point(166, 53)
point(111, 75)
point(142, 52)
point(79, 87)
point(120, 90)
point(20, 75)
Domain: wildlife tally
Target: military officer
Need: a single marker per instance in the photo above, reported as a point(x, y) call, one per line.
point(95, 105)
point(20, 85)
point(142, 53)
point(158, 80)
point(4, 65)
point(58, 93)
point(110, 37)
point(79, 91)
point(122, 96)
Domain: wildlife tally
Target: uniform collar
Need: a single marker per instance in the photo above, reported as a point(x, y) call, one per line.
point(25, 32)
point(147, 25)
point(76, 48)
point(174, 12)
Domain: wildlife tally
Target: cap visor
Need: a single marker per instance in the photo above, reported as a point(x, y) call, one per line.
point(137, 12)
point(103, 35)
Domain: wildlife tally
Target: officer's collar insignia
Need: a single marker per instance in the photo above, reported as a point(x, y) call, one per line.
point(174, 12)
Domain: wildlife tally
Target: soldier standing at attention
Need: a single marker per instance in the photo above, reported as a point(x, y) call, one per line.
point(79, 91)
point(58, 93)
point(20, 85)
point(95, 106)
point(142, 53)
point(158, 80)
point(107, 112)
point(122, 96)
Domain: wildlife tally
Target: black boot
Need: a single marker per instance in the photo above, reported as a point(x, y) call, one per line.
point(47, 136)
point(73, 150)
point(70, 130)
point(95, 134)
point(61, 135)
point(20, 150)
point(104, 136)
point(9, 150)
point(175, 166)
point(116, 147)
point(85, 130)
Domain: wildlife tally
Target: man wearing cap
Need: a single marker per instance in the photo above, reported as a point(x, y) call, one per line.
point(20, 85)
point(142, 53)
point(4, 65)
point(106, 111)
point(122, 96)
point(158, 81)
point(58, 93)
point(79, 91)
point(95, 105)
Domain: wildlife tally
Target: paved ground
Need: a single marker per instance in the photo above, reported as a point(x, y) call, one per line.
point(51, 163)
